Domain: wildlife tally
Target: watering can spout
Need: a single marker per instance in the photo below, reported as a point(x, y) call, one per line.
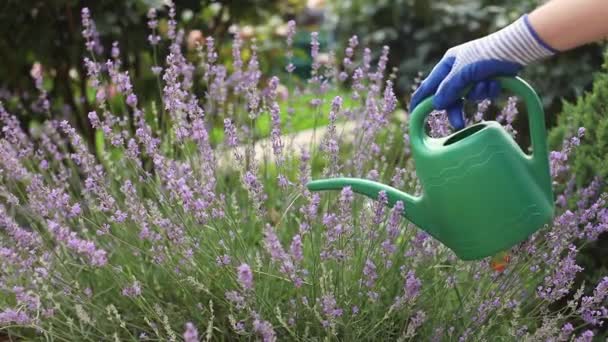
point(415, 209)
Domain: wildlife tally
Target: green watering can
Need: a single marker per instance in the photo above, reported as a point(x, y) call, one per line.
point(481, 193)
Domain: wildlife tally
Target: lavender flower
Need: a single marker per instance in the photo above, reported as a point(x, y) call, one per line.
point(245, 276)
point(330, 307)
point(378, 76)
point(291, 31)
point(153, 38)
point(43, 104)
point(508, 115)
point(557, 284)
point(330, 145)
point(369, 272)
point(586, 336)
point(439, 124)
point(264, 329)
point(296, 248)
point(235, 298)
point(392, 229)
point(172, 23)
point(390, 100)
point(230, 133)
point(347, 62)
point(558, 159)
point(412, 286)
point(12, 316)
point(85, 248)
point(277, 144)
point(190, 334)
point(132, 290)
point(115, 52)
point(415, 322)
point(90, 33)
point(314, 54)
point(566, 332)
point(482, 108)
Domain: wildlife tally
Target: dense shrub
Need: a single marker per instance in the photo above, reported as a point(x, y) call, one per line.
point(590, 111)
point(162, 236)
point(588, 163)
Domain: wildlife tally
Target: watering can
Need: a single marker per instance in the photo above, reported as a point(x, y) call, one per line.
point(481, 194)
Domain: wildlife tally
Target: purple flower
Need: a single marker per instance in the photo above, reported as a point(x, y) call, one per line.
point(245, 276)
point(296, 248)
point(586, 336)
point(291, 31)
point(153, 38)
point(190, 334)
point(24, 239)
point(273, 245)
point(85, 248)
point(115, 52)
point(330, 145)
point(482, 108)
point(417, 320)
point(390, 100)
point(133, 290)
point(255, 190)
point(132, 100)
point(235, 298)
point(12, 316)
point(439, 124)
point(566, 331)
point(223, 260)
point(330, 307)
point(558, 159)
point(369, 272)
point(264, 329)
point(508, 115)
point(152, 22)
point(277, 144)
point(412, 285)
point(90, 32)
point(557, 285)
point(347, 62)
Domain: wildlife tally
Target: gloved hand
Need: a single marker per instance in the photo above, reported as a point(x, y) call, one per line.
point(503, 53)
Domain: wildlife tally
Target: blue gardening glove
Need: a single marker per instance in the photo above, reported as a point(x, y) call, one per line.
point(503, 53)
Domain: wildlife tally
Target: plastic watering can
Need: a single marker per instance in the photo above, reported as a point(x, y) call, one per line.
point(481, 194)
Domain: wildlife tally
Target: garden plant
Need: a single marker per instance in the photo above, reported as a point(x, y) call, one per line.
point(160, 233)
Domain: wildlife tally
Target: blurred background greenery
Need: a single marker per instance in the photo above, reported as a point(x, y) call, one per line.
point(418, 32)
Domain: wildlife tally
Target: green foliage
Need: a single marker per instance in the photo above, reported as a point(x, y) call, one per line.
point(588, 160)
point(589, 111)
point(49, 32)
point(419, 32)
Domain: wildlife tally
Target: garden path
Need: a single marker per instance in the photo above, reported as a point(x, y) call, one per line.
point(295, 141)
point(292, 143)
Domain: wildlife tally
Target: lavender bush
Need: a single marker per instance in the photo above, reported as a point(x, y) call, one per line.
point(161, 235)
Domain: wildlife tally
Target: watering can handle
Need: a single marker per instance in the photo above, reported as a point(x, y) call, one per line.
point(516, 85)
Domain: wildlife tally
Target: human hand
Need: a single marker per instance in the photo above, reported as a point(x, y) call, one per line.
point(503, 53)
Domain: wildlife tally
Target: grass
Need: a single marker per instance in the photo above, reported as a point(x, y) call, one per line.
point(303, 117)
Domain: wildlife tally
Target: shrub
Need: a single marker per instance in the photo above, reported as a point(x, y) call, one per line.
point(589, 159)
point(162, 236)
